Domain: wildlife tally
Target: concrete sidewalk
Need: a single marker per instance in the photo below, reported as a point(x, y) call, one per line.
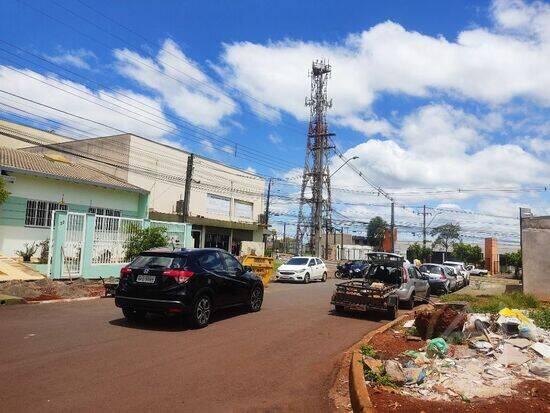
point(11, 270)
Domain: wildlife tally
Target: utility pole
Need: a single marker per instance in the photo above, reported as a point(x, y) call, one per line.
point(326, 239)
point(267, 210)
point(341, 242)
point(392, 226)
point(188, 182)
point(316, 167)
point(424, 226)
point(284, 237)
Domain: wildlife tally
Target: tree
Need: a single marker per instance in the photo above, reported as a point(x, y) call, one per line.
point(513, 259)
point(447, 235)
point(418, 252)
point(3, 192)
point(470, 254)
point(375, 232)
point(144, 239)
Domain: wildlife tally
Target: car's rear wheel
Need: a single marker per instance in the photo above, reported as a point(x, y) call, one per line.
point(338, 274)
point(409, 304)
point(133, 315)
point(306, 279)
point(324, 279)
point(202, 311)
point(256, 299)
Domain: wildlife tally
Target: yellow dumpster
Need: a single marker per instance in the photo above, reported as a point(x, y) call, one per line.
point(263, 266)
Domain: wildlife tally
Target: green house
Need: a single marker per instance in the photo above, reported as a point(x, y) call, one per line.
point(42, 183)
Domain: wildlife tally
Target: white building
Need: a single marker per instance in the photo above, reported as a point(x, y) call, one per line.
point(225, 205)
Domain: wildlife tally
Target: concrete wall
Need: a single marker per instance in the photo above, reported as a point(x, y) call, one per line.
point(26, 132)
point(536, 259)
point(209, 177)
point(143, 161)
point(78, 197)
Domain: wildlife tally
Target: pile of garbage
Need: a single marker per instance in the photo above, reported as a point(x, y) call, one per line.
point(465, 356)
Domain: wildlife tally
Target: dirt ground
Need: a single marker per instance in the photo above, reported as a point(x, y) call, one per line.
point(531, 396)
point(52, 290)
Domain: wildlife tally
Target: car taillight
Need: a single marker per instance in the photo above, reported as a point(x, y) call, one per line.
point(405, 275)
point(125, 272)
point(180, 276)
point(442, 277)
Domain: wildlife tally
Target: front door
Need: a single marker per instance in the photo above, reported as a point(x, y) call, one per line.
point(238, 287)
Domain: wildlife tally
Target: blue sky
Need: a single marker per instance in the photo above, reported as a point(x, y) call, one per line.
point(432, 96)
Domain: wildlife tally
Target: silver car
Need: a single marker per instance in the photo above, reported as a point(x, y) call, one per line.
point(413, 285)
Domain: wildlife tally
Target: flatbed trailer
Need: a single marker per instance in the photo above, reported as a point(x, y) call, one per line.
point(363, 295)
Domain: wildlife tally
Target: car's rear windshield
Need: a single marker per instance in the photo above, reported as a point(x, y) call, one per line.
point(297, 261)
point(457, 266)
point(430, 268)
point(384, 273)
point(153, 261)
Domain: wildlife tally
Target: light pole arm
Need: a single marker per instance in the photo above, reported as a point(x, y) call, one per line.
point(344, 164)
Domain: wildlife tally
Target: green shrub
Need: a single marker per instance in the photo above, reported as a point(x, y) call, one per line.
point(367, 350)
point(541, 317)
point(495, 303)
point(144, 239)
point(28, 251)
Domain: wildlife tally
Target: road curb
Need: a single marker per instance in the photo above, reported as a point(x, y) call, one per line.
point(358, 391)
point(65, 300)
point(10, 299)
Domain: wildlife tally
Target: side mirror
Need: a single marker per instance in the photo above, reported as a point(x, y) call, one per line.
point(247, 268)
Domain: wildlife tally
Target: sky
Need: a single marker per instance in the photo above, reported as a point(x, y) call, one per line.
point(445, 104)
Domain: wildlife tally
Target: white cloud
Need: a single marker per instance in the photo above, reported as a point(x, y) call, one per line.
point(276, 139)
point(184, 87)
point(79, 102)
point(251, 170)
point(228, 149)
point(369, 127)
point(78, 58)
point(492, 65)
point(207, 146)
point(440, 147)
point(540, 146)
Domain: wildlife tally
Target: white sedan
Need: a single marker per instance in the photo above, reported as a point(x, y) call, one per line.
point(303, 269)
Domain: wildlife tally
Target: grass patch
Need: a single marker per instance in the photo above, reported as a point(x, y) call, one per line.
point(495, 303)
point(382, 378)
point(367, 350)
point(541, 317)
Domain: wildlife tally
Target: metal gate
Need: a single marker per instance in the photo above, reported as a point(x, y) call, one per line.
point(71, 245)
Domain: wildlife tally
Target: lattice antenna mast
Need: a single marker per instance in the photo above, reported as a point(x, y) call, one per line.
point(316, 169)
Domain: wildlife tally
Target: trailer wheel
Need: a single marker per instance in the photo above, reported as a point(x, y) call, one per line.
point(392, 312)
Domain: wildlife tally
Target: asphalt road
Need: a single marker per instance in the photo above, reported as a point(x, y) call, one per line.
point(83, 356)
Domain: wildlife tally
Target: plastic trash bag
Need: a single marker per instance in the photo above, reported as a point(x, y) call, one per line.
point(437, 347)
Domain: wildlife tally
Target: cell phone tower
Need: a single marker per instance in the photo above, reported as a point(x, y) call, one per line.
point(316, 174)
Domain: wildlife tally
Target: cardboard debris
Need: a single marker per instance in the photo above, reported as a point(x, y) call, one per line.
point(521, 343)
point(493, 361)
point(511, 356)
point(373, 364)
point(409, 324)
point(542, 349)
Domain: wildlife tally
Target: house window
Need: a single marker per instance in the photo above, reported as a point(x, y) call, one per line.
point(218, 205)
point(103, 222)
point(39, 213)
point(104, 211)
point(243, 209)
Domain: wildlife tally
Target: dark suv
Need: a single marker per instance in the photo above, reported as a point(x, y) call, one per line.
point(193, 282)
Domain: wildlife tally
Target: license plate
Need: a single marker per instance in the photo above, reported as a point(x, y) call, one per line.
point(149, 279)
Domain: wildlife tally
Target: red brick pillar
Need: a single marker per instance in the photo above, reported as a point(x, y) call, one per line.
point(492, 263)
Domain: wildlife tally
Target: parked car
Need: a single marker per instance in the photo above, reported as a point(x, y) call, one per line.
point(461, 269)
point(460, 280)
point(192, 282)
point(352, 269)
point(303, 269)
point(414, 285)
point(476, 271)
point(441, 278)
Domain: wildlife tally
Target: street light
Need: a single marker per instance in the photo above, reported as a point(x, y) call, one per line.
point(341, 166)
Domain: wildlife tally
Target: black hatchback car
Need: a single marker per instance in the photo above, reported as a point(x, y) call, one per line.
point(192, 282)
